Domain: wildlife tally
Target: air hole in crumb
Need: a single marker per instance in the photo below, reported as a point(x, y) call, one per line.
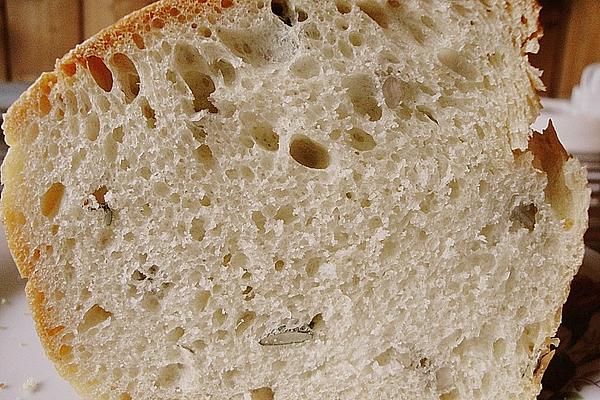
point(305, 67)
point(458, 63)
point(145, 172)
point(244, 322)
point(312, 31)
point(201, 300)
point(226, 70)
point(454, 189)
point(386, 357)
point(174, 198)
point(137, 275)
point(248, 293)
point(219, 317)
point(444, 379)
point(499, 348)
point(247, 173)
point(204, 155)
point(345, 49)
point(100, 72)
point(175, 334)
point(264, 393)
point(150, 302)
point(309, 153)
point(169, 375)
point(317, 322)
point(335, 134)
point(44, 105)
point(491, 234)
point(343, 6)
point(197, 230)
point(138, 41)
point(279, 265)
point(285, 214)
point(127, 75)
point(153, 270)
point(523, 216)
point(313, 265)
point(480, 132)
point(197, 130)
point(342, 24)
point(302, 15)
point(198, 345)
point(393, 91)
point(206, 32)
point(157, 23)
point(229, 377)
point(162, 189)
point(362, 95)
point(51, 200)
point(239, 260)
point(148, 113)
point(246, 45)
point(427, 21)
point(170, 75)
point(202, 86)
point(360, 140)
point(205, 201)
point(428, 113)
point(282, 9)
point(375, 11)
point(264, 135)
point(227, 259)
point(259, 220)
point(69, 68)
point(117, 134)
point(92, 127)
point(356, 39)
point(103, 103)
point(92, 317)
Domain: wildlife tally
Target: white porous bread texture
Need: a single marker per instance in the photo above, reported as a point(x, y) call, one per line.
point(296, 199)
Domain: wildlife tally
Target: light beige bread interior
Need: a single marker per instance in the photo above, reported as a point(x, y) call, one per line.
point(296, 199)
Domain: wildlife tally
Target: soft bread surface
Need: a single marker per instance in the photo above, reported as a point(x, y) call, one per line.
point(296, 199)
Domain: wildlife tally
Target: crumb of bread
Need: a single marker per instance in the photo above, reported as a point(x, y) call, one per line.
point(2, 385)
point(30, 385)
point(3, 300)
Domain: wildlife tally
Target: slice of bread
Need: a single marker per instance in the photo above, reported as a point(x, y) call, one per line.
point(296, 199)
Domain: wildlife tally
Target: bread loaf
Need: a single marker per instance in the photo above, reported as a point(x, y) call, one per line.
point(295, 199)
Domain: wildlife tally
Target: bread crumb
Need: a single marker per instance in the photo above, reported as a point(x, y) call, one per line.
point(3, 301)
point(30, 385)
point(2, 385)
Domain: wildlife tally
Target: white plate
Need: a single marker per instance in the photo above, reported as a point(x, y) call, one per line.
point(21, 354)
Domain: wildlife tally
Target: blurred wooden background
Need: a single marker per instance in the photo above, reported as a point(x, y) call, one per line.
point(33, 33)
